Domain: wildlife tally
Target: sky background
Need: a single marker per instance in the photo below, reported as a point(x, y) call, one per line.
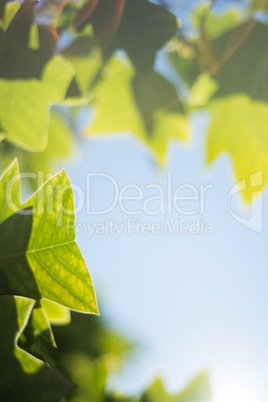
point(190, 302)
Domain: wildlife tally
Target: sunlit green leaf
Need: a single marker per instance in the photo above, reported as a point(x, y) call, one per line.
point(53, 254)
point(239, 126)
point(86, 68)
point(57, 314)
point(10, 11)
point(10, 192)
point(197, 391)
point(202, 90)
point(39, 166)
point(117, 112)
point(39, 256)
point(24, 104)
point(40, 332)
point(8, 202)
point(215, 23)
point(61, 145)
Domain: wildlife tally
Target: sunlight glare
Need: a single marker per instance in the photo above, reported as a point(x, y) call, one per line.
point(236, 393)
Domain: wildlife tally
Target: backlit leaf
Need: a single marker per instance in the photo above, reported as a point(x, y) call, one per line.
point(197, 391)
point(25, 104)
point(39, 256)
point(239, 126)
point(117, 112)
point(57, 314)
point(39, 166)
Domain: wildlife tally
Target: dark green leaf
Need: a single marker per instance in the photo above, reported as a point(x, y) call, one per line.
point(144, 29)
point(242, 55)
point(22, 376)
point(15, 272)
point(153, 93)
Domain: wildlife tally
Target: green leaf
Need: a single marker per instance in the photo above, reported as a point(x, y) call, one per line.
point(189, 54)
point(87, 334)
point(209, 48)
point(10, 201)
point(153, 93)
point(10, 192)
point(39, 166)
point(39, 256)
point(10, 11)
point(53, 254)
point(15, 312)
point(197, 391)
point(184, 59)
point(90, 376)
point(16, 274)
point(144, 29)
point(241, 61)
point(87, 350)
point(215, 23)
point(86, 60)
point(239, 126)
point(61, 145)
point(202, 91)
point(117, 111)
point(86, 67)
point(185, 55)
point(57, 315)
point(24, 377)
point(38, 336)
point(25, 104)
point(19, 58)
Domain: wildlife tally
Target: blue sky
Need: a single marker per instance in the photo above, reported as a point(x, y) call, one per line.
point(190, 302)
